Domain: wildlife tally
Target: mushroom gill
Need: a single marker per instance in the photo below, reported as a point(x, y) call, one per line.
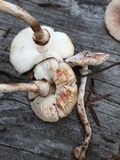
point(61, 102)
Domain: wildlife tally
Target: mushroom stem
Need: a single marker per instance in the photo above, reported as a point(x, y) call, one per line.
point(41, 37)
point(41, 87)
point(85, 58)
point(80, 150)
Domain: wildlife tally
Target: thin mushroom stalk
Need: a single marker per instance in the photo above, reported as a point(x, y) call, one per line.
point(80, 150)
point(84, 59)
point(40, 36)
point(41, 87)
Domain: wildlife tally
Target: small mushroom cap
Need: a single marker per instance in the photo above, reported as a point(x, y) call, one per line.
point(24, 53)
point(112, 18)
point(61, 103)
point(87, 58)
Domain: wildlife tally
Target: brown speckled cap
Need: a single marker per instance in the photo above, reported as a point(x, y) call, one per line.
point(87, 58)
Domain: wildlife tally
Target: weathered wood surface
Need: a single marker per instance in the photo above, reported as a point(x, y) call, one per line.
point(26, 136)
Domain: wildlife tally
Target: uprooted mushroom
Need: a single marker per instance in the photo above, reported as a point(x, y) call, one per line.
point(84, 59)
point(55, 91)
point(61, 103)
point(35, 43)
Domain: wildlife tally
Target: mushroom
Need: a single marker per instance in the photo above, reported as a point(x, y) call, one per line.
point(112, 18)
point(25, 52)
point(55, 91)
point(84, 59)
point(61, 103)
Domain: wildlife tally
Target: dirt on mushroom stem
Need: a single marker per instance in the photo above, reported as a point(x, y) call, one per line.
point(80, 150)
point(40, 36)
point(41, 87)
point(84, 59)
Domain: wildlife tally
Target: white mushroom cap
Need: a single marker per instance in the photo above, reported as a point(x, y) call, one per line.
point(61, 103)
point(87, 58)
point(25, 53)
point(112, 18)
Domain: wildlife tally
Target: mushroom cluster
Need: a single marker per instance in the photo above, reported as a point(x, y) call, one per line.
point(50, 54)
